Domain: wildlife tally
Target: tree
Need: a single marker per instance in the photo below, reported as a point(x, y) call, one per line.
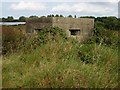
point(10, 18)
point(33, 17)
point(43, 16)
point(22, 19)
point(57, 15)
point(52, 15)
point(111, 23)
point(48, 15)
point(75, 16)
point(70, 16)
point(4, 19)
point(88, 17)
point(61, 15)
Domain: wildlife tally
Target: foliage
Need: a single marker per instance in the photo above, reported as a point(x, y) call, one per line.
point(56, 15)
point(12, 38)
point(57, 63)
point(87, 17)
point(61, 16)
point(70, 16)
point(51, 15)
point(75, 16)
point(51, 59)
point(110, 38)
point(22, 19)
point(111, 23)
point(50, 33)
point(8, 19)
point(33, 17)
point(105, 36)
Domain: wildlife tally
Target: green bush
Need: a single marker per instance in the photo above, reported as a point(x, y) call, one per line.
point(105, 37)
point(48, 34)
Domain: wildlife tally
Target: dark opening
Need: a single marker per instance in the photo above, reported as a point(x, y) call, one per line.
point(74, 32)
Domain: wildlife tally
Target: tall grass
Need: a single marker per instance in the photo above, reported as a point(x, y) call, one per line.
point(53, 60)
point(12, 38)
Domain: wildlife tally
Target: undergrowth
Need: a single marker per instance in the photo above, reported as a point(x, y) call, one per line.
point(50, 59)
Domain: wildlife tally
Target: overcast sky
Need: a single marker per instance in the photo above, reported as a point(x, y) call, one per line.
point(17, 8)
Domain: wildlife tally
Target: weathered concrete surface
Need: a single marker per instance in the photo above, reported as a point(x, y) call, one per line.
point(84, 25)
point(38, 23)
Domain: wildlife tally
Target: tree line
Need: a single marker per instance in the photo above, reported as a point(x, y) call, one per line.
point(23, 18)
point(110, 22)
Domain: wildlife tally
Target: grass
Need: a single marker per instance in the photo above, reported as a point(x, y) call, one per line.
point(61, 62)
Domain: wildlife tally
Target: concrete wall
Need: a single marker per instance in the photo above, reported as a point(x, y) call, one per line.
point(85, 25)
point(38, 23)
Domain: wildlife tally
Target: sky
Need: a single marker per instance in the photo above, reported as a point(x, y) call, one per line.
point(97, 8)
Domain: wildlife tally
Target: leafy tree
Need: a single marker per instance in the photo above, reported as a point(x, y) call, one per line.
point(111, 22)
point(4, 19)
point(87, 17)
point(70, 16)
point(43, 16)
point(48, 15)
point(33, 17)
point(52, 15)
point(10, 18)
point(22, 19)
point(61, 15)
point(57, 15)
point(100, 19)
point(75, 16)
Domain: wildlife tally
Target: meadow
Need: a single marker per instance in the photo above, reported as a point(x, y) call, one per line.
point(51, 59)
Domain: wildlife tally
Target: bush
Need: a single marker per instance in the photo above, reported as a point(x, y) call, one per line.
point(12, 39)
point(47, 35)
point(105, 37)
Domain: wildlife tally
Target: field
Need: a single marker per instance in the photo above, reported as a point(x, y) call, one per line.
point(51, 59)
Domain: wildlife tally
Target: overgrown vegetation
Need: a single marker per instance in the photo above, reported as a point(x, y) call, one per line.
point(50, 59)
point(12, 38)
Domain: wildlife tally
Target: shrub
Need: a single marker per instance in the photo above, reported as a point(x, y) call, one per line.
point(47, 35)
point(105, 37)
point(12, 39)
